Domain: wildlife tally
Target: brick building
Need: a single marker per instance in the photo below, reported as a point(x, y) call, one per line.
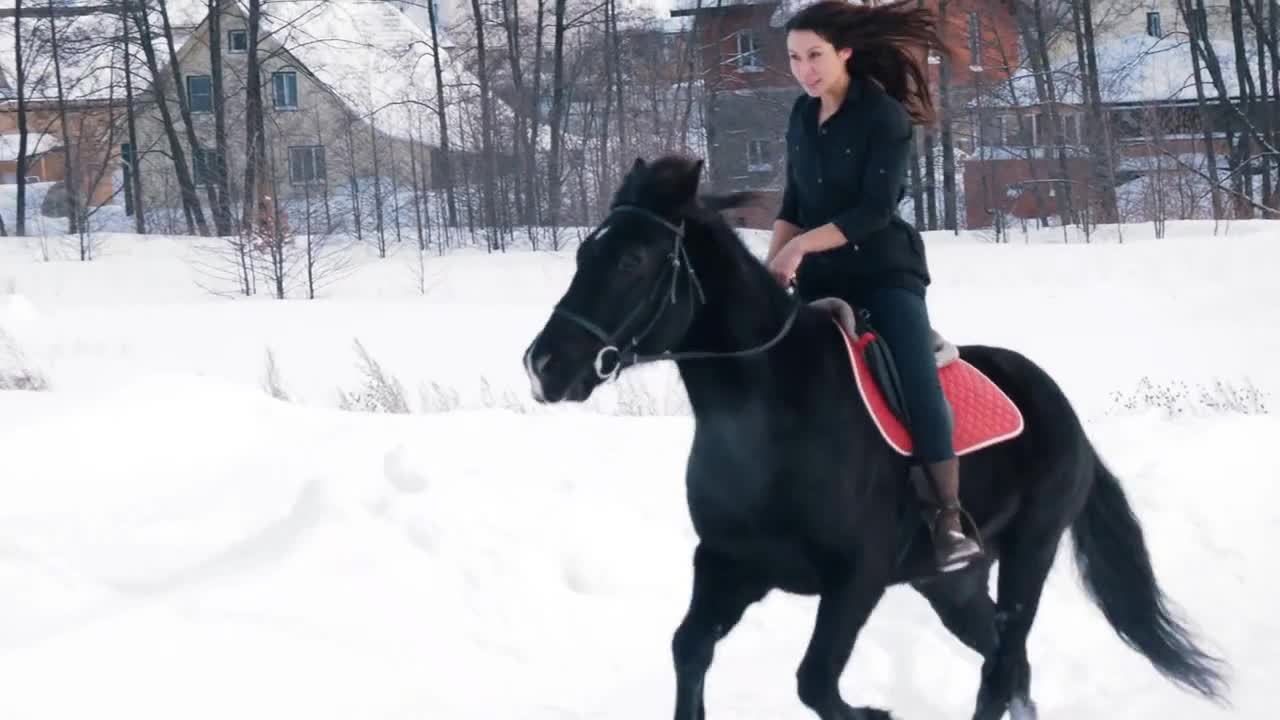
point(749, 90)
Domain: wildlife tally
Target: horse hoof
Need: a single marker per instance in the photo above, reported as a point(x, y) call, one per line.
point(1023, 709)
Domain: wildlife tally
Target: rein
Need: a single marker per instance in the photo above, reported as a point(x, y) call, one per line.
point(666, 285)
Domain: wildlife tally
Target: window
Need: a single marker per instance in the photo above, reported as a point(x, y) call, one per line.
point(237, 41)
point(205, 163)
point(284, 90)
point(1015, 134)
point(1153, 24)
point(306, 164)
point(758, 156)
point(1071, 128)
point(975, 40)
point(748, 57)
point(199, 93)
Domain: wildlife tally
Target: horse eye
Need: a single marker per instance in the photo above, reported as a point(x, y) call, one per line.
point(631, 260)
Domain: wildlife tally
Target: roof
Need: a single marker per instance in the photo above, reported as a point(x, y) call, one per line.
point(37, 143)
point(1131, 69)
point(372, 56)
point(91, 69)
point(692, 7)
point(379, 63)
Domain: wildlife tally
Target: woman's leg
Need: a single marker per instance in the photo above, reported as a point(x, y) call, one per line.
point(901, 318)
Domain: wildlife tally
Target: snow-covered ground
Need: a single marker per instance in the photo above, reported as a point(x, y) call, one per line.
point(174, 542)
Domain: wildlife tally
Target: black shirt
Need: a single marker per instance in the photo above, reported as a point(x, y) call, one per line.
point(851, 171)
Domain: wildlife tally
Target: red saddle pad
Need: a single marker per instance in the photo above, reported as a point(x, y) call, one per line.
point(984, 415)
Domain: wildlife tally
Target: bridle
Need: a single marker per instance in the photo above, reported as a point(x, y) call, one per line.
point(678, 266)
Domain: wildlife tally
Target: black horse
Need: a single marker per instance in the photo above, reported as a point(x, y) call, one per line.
point(791, 487)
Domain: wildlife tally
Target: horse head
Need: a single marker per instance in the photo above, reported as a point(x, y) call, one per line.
point(635, 292)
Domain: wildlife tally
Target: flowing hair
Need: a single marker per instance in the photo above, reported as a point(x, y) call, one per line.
point(890, 44)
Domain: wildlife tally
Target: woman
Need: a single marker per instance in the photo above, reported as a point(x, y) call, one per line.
point(838, 232)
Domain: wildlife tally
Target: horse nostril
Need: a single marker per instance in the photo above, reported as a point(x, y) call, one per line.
point(540, 363)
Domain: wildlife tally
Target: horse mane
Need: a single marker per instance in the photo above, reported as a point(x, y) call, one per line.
point(669, 186)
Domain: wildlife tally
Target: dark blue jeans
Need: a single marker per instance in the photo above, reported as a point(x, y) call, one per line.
point(902, 320)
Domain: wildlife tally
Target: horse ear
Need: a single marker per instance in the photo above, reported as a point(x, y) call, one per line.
point(689, 183)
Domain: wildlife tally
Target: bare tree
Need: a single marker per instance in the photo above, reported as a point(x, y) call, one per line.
point(20, 81)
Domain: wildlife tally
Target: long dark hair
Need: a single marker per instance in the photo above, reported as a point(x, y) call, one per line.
point(890, 44)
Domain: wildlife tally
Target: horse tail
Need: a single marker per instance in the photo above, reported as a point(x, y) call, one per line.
point(1112, 556)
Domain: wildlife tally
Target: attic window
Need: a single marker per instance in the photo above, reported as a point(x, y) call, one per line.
point(237, 41)
point(1153, 24)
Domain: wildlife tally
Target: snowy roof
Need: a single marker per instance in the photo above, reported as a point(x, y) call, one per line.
point(1132, 69)
point(37, 142)
point(688, 6)
point(370, 54)
point(377, 61)
point(88, 63)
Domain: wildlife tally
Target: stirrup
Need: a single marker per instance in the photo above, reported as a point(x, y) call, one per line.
point(951, 562)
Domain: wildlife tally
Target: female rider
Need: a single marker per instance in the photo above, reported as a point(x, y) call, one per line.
point(838, 232)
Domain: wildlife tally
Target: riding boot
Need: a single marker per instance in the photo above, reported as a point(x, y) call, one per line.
point(952, 548)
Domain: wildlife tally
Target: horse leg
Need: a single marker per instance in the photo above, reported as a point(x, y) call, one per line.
point(1006, 674)
point(843, 608)
point(963, 604)
point(721, 594)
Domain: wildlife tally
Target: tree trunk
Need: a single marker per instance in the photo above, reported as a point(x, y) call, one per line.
point(377, 190)
point(255, 127)
point(70, 181)
point(1206, 119)
point(511, 23)
point(554, 181)
point(182, 169)
point(948, 141)
point(185, 111)
point(535, 119)
point(446, 170)
point(490, 172)
point(1258, 15)
point(20, 80)
point(1066, 207)
point(135, 159)
point(221, 188)
point(1248, 96)
point(1097, 135)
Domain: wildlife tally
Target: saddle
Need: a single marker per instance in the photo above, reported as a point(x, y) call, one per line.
point(981, 413)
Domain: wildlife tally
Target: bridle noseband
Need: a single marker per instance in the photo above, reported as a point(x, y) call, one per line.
point(669, 280)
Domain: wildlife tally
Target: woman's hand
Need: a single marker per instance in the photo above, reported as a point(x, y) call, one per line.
point(783, 266)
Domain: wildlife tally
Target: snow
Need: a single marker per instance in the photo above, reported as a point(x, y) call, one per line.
point(379, 61)
point(1131, 69)
point(37, 143)
point(174, 542)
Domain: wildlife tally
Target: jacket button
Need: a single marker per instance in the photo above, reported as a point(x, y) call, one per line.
point(856, 247)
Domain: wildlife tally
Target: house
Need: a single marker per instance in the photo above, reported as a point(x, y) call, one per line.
point(348, 95)
point(90, 92)
point(749, 90)
point(1147, 88)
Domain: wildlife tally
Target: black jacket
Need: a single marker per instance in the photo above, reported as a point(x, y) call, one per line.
point(852, 172)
